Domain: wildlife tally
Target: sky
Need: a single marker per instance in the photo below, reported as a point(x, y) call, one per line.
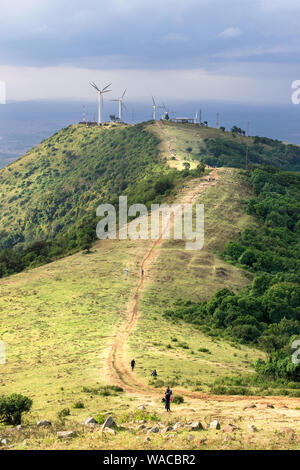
point(243, 51)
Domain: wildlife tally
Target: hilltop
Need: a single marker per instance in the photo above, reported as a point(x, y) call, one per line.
point(218, 147)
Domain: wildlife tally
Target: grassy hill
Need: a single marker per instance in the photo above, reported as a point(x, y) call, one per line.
point(222, 148)
point(47, 192)
point(59, 320)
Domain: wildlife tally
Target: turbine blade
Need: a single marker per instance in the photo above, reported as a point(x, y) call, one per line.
point(107, 86)
point(154, 104)
point(124, 106)
point(94, 85)
point(124, 93)
point(106, 91)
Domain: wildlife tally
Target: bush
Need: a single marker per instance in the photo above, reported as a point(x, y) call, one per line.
point(204, 350)
point(63, 413)
point(12, 407)
point(178, 399)
point(79, 404)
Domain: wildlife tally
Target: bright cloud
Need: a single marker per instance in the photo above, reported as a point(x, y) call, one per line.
point(230, 33)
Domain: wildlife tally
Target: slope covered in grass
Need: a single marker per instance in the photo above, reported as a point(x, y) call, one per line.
point(50, 190)
point(222, 148)
point(58, 320)
point(267, 312)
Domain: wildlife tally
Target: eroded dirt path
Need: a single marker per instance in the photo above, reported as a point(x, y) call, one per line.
point(118, 366)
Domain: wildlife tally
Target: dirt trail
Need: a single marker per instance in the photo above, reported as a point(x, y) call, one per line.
point(171, 139)
point(118, 364)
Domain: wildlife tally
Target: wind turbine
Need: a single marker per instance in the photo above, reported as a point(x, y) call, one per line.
point(167, 112)
point(154, 107)
point(195, 118)
point(100, 98)
point(121, 105)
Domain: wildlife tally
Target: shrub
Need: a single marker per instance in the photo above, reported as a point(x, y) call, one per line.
point(12, 407)
point(204, 350)
point(63, 413)
point(178, 399)
point(79, 404)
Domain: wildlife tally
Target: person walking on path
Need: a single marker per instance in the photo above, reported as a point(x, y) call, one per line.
point(168, 399)
point(132, 364)
point(126, 271)
point(142, 272)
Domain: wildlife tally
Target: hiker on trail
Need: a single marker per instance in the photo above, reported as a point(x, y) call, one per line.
point(132, 364)
point(167, 399)
point(126, 271)
point(142, 272)
point(154, 373)
point(171, 393)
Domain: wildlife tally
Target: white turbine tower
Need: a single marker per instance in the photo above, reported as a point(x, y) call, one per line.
point(100, 98)
point(121, 105)
point(154, 109)
point(196, 118)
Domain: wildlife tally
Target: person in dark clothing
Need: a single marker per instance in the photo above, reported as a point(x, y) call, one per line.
point(154, 373)
point(168, 399)
point(132, 364)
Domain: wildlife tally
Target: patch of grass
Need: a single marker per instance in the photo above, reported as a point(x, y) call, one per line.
point(105, 391)
point(79, 405)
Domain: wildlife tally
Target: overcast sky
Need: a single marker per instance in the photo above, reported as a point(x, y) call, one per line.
point(236, 50)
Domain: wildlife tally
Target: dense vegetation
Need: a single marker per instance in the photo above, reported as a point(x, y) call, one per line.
point(267, 313)
point(261, 150)
point(12, 407)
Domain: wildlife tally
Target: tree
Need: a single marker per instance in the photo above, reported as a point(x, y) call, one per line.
point(200, 169)
point(186, 165)
point(12, 407)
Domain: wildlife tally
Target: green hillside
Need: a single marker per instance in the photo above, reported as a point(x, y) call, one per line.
point(50, 195)
point(225, 148)
point(47, 191)
point(216, 320)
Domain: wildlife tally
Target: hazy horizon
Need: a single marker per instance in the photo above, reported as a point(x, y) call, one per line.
point(24, 124)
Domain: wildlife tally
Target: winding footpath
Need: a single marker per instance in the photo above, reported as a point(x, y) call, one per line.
point(118, 364)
